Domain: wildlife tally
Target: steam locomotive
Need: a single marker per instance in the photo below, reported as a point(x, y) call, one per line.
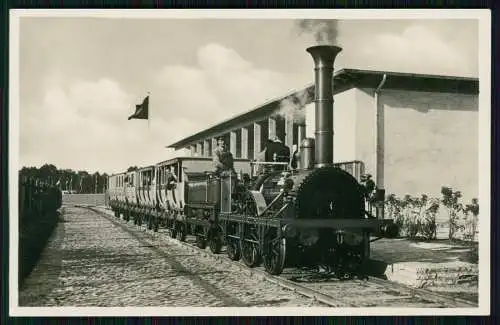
point(311, 216)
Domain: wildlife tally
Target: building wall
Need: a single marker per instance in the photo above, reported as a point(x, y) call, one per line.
point(344, 125)
point(431, 140)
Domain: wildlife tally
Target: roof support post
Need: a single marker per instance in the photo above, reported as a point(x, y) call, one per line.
point(199, 149)
point(244, 143)
point(214, 145)
point(257, 139)
point(289, 132)
point(232, 143)
point(206, 148)
point(380, 150)
point(271, 127)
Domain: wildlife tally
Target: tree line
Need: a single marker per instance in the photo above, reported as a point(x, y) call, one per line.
point(66, 179)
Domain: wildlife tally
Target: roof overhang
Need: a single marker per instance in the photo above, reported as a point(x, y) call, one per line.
point(344, 80)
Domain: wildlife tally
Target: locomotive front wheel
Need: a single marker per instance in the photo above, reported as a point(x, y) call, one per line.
point(233, 249)
point(274, 254)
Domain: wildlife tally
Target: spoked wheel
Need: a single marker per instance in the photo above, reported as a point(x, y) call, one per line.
point(233, 249)
point(181, 231)
point(250, 251)
point(274, 253)
point(215, 241)
point(249, 241)
point(201, 242)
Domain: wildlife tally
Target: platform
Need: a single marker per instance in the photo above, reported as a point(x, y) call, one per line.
point(438, 265)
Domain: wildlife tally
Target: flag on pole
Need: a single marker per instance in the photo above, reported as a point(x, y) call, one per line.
point(141, 110)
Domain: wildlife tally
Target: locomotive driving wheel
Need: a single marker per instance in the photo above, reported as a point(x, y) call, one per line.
point(249, 241)
point(274, 252)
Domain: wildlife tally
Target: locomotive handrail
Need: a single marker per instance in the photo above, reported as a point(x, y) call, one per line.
point(268, 163)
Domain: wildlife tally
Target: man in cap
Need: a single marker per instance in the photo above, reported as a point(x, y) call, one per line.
point(369, 189)
point(223, 158)
point(282, 151)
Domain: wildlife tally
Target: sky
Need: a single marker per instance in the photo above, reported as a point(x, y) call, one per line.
point(80, 78)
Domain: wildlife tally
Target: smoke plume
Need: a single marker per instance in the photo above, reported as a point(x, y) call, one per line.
point(325, 31)
point(292, 107)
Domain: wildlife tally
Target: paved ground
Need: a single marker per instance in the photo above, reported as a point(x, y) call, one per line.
point(90, 261)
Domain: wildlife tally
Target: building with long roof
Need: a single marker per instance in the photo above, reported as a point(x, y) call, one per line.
point(414, 132)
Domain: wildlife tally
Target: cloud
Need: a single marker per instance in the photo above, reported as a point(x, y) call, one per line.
point(414, 49)
point(222, 84)
point(84, 125)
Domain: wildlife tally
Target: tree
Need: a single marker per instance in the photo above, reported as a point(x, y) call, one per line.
point(450, 201)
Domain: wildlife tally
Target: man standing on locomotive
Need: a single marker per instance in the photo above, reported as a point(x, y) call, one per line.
point(282, 151)
point(369, 186)
point(223, 159)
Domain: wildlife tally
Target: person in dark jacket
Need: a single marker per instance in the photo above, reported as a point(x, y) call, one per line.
point(269, 150)
point(223, 159)
point(369, 190)
point(282, 151)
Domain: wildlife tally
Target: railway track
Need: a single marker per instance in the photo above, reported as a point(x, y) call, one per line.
point(368, 292)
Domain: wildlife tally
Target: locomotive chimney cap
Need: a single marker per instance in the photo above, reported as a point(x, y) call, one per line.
point(324, 51)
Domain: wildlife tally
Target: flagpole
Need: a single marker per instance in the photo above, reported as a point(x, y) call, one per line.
point(149, 111)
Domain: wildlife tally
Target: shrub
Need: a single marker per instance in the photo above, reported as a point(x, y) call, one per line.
point(450, 200)
point(428, 227)
point(417, 215)
point(471, 213)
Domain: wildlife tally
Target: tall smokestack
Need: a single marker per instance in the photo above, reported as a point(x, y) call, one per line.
point(324, 57)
